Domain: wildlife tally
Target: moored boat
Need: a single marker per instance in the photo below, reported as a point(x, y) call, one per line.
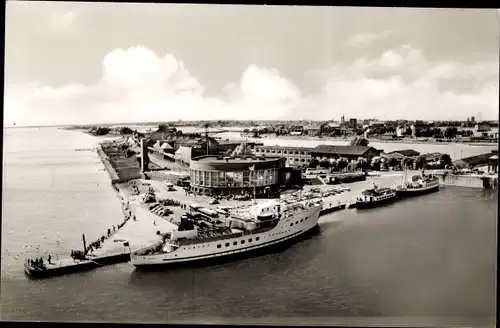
point(418, 185)
point(375, 197)
point(245, 232)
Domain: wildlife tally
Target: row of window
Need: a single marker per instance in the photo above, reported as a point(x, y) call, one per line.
point(256, 238)
point(234, 179)
point(303, 160)
point(291, 152)
point(241, 241)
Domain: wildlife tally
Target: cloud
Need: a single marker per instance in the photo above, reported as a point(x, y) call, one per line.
point(138, 85)
point(366, 39)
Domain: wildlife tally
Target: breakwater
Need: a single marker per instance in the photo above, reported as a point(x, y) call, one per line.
point(472, 181)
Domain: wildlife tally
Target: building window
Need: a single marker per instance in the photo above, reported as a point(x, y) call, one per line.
point(235, 243)
point(227, 244)
point(250, 240)
point(257, 238)
point(242, 241)
point(291, 224)
point(219, 246)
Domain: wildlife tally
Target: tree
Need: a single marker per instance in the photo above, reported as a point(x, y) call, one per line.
point(376, 162)
point(361, 163)
point(450, 132)
point(420, 162)
point(394, 162)
point(313, 163)
point(126, 130)
point(101, 131)
point(408, 162)
point(445, 160)
point(325, 164)
point(342, 163)
point(357, 141)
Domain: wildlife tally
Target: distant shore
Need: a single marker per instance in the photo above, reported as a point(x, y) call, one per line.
point(405, 141)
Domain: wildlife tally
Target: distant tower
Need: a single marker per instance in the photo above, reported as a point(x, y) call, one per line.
point(144, 155)
point(473, 119)
point(207, 139)
point(342, 120)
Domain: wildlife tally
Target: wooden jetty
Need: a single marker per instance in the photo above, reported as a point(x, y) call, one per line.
point(327, 209)
point(69, 265)
point(85, 262)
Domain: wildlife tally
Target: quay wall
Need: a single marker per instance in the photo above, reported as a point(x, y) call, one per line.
point(109, 168)
point(118, 175)
point(472, 181)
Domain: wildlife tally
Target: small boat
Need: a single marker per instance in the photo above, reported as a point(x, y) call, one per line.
point(375, 197)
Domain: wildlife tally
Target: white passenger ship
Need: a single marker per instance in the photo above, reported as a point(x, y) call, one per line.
point(244, 232)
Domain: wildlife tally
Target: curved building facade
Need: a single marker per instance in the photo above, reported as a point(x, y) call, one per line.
point(212, 175)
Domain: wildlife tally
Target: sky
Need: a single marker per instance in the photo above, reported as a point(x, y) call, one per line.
point(84, 63)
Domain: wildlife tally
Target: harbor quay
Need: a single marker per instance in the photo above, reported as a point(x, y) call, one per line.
point(144, 226)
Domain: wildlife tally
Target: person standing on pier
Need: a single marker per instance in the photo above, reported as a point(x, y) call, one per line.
point(50, 258)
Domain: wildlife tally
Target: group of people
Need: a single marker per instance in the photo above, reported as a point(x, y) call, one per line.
point(97, 244)
point(38, 262)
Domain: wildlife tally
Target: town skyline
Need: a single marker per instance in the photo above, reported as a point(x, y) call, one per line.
point(388, 67)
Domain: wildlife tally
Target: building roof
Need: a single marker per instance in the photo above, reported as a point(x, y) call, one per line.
point(285, 148)
point(473, 160)
point(331, 124)
point(313, 126)
point(236, 159)
point(342, 150)
point(406, 152)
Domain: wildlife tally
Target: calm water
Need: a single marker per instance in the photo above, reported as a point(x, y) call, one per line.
point(429, 257)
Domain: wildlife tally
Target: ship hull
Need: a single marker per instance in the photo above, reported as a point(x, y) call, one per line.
point(207, 261)
point(366, 205)
point(416, 191)
point(279, 242)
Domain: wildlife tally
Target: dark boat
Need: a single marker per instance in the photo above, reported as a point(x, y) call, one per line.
point(375, 197)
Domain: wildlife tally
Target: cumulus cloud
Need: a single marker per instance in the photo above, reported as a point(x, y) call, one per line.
point(366, 39)
point(138, 85)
